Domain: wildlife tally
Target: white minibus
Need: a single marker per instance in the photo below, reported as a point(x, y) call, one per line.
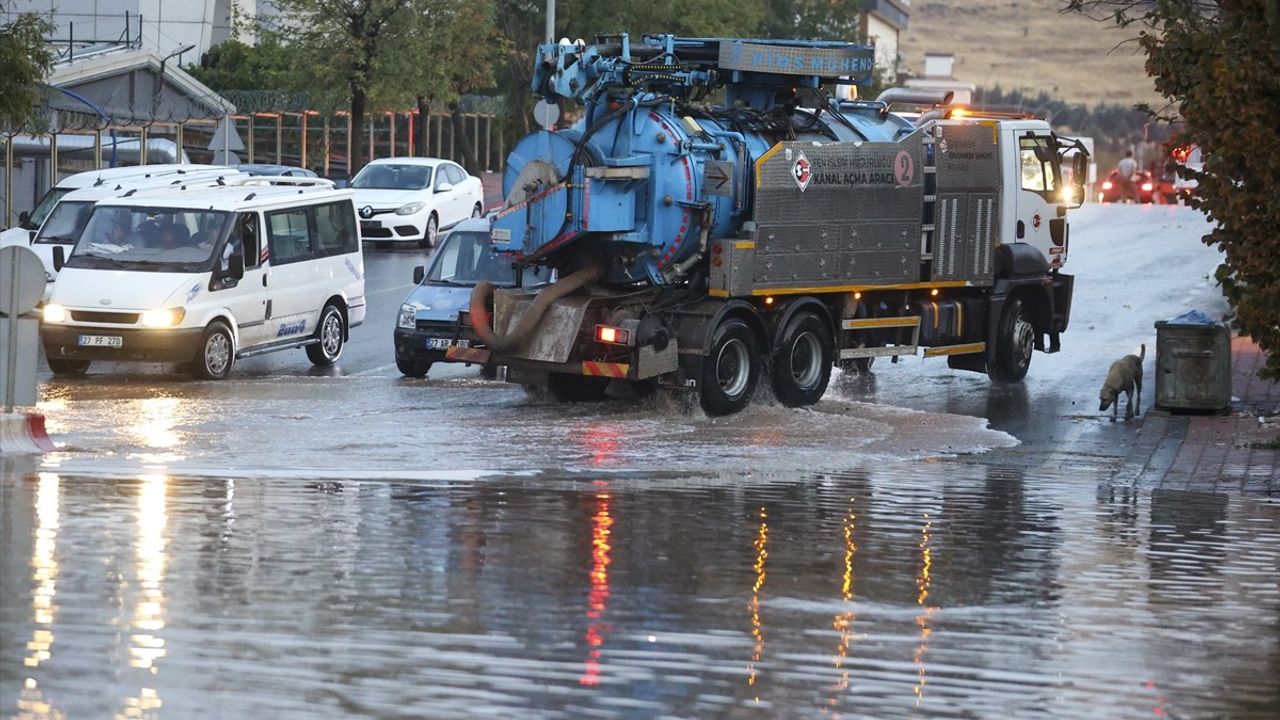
point(64, 223)
point(202, 276)
point(29, 222)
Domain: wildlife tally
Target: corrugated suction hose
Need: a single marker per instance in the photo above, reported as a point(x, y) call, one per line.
point(483, 324)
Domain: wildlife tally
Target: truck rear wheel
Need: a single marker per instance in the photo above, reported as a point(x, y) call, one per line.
point(802, 361)
point(731, 370)
point(1015, 341)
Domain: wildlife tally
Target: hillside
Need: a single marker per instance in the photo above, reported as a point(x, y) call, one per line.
point(1029, 44)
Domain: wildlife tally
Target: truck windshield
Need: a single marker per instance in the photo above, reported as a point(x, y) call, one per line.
point(150, 239)
point(65, 223)
point(42, 208)
point(465, 259)
point(393, 177)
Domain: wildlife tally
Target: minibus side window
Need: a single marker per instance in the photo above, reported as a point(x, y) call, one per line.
point(335, 229)
point(289, 236)
point(249, 240)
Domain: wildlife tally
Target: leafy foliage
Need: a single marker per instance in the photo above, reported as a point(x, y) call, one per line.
point(1218, 62)
point(25, 60)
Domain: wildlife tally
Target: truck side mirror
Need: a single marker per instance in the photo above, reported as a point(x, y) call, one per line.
point(59, 258)
point(419, 273)
point(1079, 169)
point(23, 218)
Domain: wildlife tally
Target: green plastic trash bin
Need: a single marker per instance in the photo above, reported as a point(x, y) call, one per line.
point(1193, 366)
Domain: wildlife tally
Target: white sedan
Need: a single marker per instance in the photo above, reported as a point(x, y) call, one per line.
point(411, 199)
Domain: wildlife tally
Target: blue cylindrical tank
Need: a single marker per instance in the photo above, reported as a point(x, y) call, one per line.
point(636, 183)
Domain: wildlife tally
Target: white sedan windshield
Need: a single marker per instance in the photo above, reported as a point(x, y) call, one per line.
point(393, 177)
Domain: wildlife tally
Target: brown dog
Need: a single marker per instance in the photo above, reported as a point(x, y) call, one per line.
point(1125, 375)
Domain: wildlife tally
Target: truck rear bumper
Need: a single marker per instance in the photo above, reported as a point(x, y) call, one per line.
point(640, 364)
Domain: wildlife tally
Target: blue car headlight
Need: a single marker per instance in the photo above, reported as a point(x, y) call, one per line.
point(408, 316)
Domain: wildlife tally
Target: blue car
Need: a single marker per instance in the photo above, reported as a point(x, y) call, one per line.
point(428, 323)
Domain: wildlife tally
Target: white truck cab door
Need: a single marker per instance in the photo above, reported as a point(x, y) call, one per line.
point(1039, 195)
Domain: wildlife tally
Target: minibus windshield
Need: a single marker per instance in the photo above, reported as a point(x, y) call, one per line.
point(41, 210)
point(65, 223)
point(465, 259)
point(149, 239)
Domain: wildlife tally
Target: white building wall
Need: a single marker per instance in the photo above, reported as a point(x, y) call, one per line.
point(166, 24)
point(885, 37)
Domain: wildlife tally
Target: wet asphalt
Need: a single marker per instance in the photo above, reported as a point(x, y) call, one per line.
point(351, 543)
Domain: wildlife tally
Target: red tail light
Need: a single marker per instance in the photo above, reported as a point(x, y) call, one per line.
point(613, 335)
point(1147, 187)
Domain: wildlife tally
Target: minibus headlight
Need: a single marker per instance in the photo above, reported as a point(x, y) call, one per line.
point(55, 313)
point(409, 209)
point(408, 316)
point(167, 317)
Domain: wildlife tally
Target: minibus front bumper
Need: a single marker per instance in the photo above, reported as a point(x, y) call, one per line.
point(158, 345)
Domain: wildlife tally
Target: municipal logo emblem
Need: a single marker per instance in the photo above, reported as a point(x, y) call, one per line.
point(802, 172)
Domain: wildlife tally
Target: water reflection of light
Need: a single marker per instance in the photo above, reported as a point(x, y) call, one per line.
point(761, 545)
point(146, 646)
point(844, 621)
point(598, 598)
point(152, 422)
point(44, 567)
point(923, 582)
point(601, 440)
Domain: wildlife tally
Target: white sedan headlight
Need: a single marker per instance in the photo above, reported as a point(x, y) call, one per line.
point(55, 313)
point(410, 209)
point(408, 316)
point(167, 317)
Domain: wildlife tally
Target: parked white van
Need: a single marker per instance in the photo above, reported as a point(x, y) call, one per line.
point(29, 222)
point(204, 276)
point(64, 223)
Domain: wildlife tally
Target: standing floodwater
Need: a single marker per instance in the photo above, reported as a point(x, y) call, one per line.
point(960, 591)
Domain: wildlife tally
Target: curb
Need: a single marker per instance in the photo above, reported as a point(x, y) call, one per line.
point(24, 434)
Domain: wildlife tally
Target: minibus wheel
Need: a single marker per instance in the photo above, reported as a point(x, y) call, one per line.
point(68, 366)
point(329, 338)
point(215, 354)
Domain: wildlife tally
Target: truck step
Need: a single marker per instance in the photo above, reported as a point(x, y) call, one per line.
point(963, 349)
point(912, 321)
point(888, 351)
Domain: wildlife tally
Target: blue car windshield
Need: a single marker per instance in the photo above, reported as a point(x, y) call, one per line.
point(465, 259)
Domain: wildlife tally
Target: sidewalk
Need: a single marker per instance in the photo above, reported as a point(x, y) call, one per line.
point(1218, 454)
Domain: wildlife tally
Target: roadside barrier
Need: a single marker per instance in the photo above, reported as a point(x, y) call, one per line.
point(22, 434)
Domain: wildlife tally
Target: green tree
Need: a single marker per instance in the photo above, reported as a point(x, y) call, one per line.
point(25, 61)
point(352, 44)
point(450, 49)
point(235, 65)
point(1218, 63)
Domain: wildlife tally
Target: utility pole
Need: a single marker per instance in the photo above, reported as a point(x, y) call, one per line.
point(551, 21)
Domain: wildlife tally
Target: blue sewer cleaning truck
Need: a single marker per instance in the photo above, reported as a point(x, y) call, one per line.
point(719, 218)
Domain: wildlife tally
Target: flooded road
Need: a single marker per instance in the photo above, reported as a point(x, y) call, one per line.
point(923, 589)
point(350, 543)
